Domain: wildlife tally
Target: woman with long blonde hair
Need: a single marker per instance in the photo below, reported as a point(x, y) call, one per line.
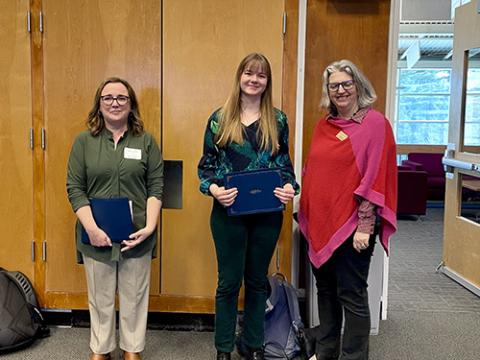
point(246, 134)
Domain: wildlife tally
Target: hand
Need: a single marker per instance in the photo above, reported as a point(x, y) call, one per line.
point(136, 238)
point(285, 194)
point(360, 241)
point(224, 197)
point(99, 238)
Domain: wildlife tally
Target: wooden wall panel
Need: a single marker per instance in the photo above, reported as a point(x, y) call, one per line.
point(203, 43)
point(356, 30)
point(84, 43)
point(461, 245)
point(289, 86)
point(16, 190)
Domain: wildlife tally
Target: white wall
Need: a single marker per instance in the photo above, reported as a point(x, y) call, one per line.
point(426, 10)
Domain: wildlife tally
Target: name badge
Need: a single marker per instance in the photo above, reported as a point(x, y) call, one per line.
point(341, 135)
point(135, 154)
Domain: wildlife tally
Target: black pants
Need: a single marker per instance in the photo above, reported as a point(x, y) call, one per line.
point(342, 293)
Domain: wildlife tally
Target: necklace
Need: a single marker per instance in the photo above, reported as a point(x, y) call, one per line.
point(249, 118)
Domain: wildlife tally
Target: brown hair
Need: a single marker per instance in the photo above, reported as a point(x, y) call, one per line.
point(230, 129)
point(95, 121)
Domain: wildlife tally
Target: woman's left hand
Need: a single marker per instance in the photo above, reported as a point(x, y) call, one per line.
point(360, 241)
point(136, 238)
point(285, 194)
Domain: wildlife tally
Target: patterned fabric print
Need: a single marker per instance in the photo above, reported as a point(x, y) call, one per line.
point(216, 162)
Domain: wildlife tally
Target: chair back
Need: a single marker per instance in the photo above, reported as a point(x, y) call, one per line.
point(431, 162)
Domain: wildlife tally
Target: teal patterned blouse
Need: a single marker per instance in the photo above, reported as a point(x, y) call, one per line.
point(216, 162)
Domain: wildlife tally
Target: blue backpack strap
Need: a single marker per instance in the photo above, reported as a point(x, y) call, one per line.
point(274, 282)
point(293, 306)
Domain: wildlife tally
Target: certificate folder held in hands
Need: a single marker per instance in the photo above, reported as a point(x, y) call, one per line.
point(112, 216)
point(255, 191)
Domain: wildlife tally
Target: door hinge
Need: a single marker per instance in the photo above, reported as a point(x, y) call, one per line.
point(40, 22)
point(33, 250)
point(44, 251)
point(29, 21)
point(31, 138)
point(43, 139)
point(284, 23)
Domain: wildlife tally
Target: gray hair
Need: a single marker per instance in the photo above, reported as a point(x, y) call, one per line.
point(366, 92)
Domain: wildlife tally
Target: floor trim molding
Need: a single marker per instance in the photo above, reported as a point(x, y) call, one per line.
point(461, 280)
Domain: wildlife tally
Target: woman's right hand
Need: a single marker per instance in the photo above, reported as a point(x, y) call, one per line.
point(96, 235)
point(99, 238)
point(226, 197)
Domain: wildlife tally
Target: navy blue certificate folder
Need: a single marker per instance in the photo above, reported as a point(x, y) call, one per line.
point(255, 191)
point(112, 216)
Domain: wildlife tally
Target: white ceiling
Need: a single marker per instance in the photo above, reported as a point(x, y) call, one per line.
point(430, 22)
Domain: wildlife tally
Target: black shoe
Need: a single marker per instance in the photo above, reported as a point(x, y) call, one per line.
point(223, 356)
point(256, 355)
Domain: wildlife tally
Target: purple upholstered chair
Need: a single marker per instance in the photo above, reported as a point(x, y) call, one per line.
point(412, 191)
point(432, 164)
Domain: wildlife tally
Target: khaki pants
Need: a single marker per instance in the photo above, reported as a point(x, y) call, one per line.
point(132, 279)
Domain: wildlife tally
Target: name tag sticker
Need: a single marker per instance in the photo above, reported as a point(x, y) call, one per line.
point(135, 154)
point(341, 135)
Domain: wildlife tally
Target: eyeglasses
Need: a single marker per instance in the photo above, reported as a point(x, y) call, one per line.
point(109, 99)
point(346, 85)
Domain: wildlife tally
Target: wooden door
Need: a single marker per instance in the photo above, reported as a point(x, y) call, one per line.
point(203, 42)
point(84, 43)
point(353, 30)
point(461, 255)
point(16, 191)
point(357, 31)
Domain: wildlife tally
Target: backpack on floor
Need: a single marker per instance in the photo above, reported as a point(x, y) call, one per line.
point(284, 335)
point(21, 321)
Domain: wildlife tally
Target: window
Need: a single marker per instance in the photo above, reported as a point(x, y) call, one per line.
point(472, 108)
point(423, 103)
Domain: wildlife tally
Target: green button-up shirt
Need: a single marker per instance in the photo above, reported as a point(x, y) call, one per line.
point(99, 169)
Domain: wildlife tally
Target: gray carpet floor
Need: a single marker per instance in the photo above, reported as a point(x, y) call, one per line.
point(429, 315)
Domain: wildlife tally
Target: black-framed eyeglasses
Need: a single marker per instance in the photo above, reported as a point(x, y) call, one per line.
point(346, 85)
point(109, 99)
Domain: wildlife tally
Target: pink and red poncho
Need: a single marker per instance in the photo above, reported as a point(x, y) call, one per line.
point(348, 161)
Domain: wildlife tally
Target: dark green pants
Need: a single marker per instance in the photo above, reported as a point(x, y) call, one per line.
point(244, 247)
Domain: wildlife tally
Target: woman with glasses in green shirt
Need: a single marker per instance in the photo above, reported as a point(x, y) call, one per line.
point(116, 158)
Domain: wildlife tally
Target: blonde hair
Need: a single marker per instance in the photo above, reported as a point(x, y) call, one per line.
point(95, 121)
point(366, 92)
point(230, 129)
